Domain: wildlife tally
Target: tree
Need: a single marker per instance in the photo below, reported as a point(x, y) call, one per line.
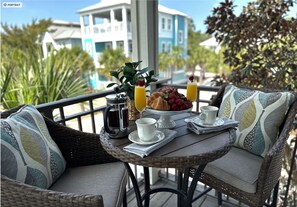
point(26, 38)
point(260, 43)
point(112, 59)
point(26, 77)
point(36, 81)
point(163, 63)
point(80, 58)
point(262, 51)
point(200, 56)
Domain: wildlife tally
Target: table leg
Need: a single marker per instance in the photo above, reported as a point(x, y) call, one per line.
point(182, 185)
point(193, 185)
point(179, 187)
point(135, 184)
point(147, 187)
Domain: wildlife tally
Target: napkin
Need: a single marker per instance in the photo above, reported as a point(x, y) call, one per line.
point(145, 150)
point(228, 123)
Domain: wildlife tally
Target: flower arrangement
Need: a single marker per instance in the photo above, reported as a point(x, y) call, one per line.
point(128, 77)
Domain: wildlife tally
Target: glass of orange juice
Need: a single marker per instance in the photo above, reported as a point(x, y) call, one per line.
point(140, 97)
point(191, 93)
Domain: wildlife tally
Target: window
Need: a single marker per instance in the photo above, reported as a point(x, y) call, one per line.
point(169, 47)
point(130, 46)
point(163, 23)
point(120, 44)
point(163, 47)
point(86, 20)
point(108, 45)
point(180, 37)
point(169, 24)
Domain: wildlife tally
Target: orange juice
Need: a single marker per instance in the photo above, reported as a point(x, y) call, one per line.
point(139, 98)
point(192, 91)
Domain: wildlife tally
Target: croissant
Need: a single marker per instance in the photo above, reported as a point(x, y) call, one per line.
point(156, 101)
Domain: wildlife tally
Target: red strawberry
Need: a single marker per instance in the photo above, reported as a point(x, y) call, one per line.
point(171, 101)
point(140, 82)
point(183, 107)
point(191, 78)
point(175, 107)
point(179, 102)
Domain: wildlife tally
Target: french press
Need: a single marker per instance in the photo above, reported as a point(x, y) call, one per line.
point(116, 116)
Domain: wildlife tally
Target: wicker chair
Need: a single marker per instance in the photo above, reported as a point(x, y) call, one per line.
point(92, 177)
point(266, 171)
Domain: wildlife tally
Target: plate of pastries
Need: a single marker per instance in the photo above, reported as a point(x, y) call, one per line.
point(167, 100)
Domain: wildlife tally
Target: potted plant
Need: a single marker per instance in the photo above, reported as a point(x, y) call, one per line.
point(127, 77)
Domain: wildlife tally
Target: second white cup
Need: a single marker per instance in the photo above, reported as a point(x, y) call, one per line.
point(208, 114)
point(146, 128)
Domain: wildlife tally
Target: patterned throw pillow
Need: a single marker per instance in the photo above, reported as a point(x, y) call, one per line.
point(28, 153)
point(259, 114)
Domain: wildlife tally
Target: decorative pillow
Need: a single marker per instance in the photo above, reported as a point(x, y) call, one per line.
point(28, 153)
point(259, 115)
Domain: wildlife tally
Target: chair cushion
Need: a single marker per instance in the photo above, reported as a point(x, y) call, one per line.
point(238, 168)
point(28, 153)
point(259, 115)
point(108, 180)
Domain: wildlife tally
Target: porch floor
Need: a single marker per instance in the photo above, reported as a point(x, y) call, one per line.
point(164, 199)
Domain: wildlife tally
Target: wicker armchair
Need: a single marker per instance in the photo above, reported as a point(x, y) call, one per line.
point(90, 170)
point(267, 171)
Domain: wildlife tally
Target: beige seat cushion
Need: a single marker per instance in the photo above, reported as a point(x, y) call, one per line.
point(108, 180)
point(238, 168)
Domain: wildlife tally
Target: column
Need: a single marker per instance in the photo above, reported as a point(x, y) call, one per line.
point(144, 15)
point(91, 24)
point(145, 32)
point(125, 31)
point(112, 29)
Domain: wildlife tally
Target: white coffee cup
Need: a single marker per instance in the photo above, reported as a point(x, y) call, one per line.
point(146, 128)
point(208, 114)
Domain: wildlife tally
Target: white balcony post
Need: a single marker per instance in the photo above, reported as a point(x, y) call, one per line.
point(145, 32)
point(82, 26)
point(144, 16)
point(91, 24)
point(125, 31)
point(112, 25)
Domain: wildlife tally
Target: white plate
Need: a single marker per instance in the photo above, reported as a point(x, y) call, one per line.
point(133, 137)
point(218, 122)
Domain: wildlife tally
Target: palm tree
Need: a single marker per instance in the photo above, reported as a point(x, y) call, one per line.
point(163, 63)
point(36, 81)
point(176, 59)
point(112, 59)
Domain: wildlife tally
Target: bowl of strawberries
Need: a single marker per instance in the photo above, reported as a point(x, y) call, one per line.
point(166, 102)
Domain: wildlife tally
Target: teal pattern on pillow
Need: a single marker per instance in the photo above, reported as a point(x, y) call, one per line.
point(28, 153)
point(259, 115)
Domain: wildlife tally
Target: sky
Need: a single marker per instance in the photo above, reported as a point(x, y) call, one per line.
point(66, 10)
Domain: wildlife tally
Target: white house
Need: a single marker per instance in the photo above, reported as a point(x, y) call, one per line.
point(212, 44)
point(61, 34)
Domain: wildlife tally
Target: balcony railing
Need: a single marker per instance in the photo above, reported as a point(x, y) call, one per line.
point(107, 28)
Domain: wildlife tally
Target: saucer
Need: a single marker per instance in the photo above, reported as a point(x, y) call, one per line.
point(133, 137)
point(218, 122)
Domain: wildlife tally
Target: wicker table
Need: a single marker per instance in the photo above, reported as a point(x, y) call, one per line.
point(186, 150)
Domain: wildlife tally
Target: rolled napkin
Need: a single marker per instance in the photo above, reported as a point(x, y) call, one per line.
point(228, 123)
point(145, 150)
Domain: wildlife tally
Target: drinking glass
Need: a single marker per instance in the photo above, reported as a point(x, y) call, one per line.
point(140, 99)
point(191, 95)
